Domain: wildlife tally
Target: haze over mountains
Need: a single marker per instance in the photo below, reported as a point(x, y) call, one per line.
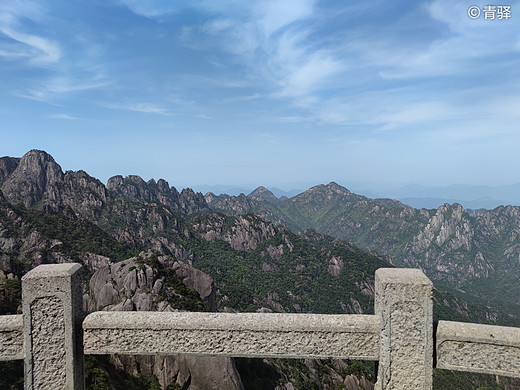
point(415, 195)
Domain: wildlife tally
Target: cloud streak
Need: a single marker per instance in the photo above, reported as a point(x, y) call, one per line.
point(147, 108)
point(38, 50)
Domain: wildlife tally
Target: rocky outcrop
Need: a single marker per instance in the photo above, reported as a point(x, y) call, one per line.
point(335, 265)
point(243, 232)
point(83, 194)
point(231, 204)
point(198, 281)
point(125, 286)
point(189, 372)
point(36, 180)
point(133, 286)
point(354, 383)
point(20, 245)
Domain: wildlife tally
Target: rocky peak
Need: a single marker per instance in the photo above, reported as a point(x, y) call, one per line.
point(335, 187)
point(35, 173)
point(330, 190)
point(262, 193)
point(191, 202)
point(210, 196)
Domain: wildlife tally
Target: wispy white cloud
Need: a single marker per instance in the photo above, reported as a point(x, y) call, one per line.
point(244, 98)
point(147, 108)
point(274, 15)
point(272, 40)
point(40, 51)
point(153, 8)
point(64, 116)
point(453, 53)
point(310, 75)
point(57, 65)
point(56, 89)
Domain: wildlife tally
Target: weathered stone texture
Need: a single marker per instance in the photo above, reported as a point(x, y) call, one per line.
point(404, 307)
point(11, 337)
point(248, 334)
point(478, 348)
point(48, 329)
point(52, 314)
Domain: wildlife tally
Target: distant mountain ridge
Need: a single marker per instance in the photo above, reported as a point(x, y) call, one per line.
point(473, 252)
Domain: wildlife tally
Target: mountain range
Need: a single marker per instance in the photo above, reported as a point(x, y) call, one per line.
point(474, 252)
point(147, 246)
point(472, 197)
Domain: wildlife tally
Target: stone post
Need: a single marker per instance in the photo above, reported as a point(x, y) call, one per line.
point(404, 307)
point(52, 315)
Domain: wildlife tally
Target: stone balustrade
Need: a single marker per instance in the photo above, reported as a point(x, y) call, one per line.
point(53, 334)
point(258, 335)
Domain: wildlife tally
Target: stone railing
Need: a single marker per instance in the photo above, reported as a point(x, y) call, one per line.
point(53, 334)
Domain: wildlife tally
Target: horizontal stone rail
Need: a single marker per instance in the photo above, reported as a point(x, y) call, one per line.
point(485, 349)
point(53, 334)
point(11, 337)
point(256, 335)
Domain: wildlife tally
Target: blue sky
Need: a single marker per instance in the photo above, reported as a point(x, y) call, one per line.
point(268, 93)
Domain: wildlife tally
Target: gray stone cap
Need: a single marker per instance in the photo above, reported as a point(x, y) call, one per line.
point(402, 276)
point(283, 322)
point(52, 270)
point(478, 333)
point(11, 323)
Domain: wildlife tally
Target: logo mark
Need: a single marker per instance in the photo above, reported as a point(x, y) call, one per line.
point(474, 12)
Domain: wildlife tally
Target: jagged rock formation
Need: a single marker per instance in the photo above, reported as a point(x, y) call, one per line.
point(37, 180)
point(133, 187)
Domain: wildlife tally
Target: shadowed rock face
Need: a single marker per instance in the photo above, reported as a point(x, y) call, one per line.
point(7, 166)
